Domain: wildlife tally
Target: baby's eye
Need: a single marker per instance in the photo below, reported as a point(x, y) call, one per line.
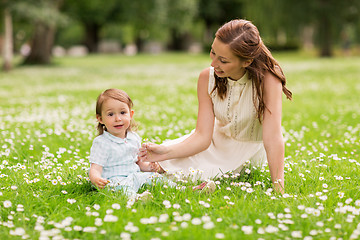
point(110, 114)
point(123, 112)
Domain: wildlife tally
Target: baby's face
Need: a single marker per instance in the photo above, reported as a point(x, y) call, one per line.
point(116, 116)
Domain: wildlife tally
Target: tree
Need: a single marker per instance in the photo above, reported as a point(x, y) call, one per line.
point(93, 15)
point(180, 15)
point(147, 19)
point(141, 18)
point(8, 40)
point(45, 17)
point(327, 16)
point(216, 12)
point(289, 18)
point(161, 20)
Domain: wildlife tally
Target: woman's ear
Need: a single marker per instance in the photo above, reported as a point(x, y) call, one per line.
point(247, 63)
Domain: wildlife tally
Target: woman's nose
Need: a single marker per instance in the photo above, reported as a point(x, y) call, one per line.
point(213, 63)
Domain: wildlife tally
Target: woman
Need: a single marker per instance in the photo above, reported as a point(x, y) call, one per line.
point(239, 115)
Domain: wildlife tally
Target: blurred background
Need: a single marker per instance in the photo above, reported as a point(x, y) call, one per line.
point(38, 30)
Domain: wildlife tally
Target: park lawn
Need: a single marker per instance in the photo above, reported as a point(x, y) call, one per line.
point(47, 123)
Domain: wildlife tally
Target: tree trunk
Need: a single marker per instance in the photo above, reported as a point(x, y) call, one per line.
point(41, 44)
point(175, 40)
point(140, 43)
point(8, 41)
point(179, 41)
point(325, 37)
point(324, 29)
point(43, 40)
point(208, 38)
point(308, 37)
point(91, 40)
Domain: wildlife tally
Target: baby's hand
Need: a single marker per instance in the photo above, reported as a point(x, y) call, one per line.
point(144, 166)
point(150, 167)
point(100, 182)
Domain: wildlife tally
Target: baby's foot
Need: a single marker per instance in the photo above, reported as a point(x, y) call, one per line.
point(206, 187)
point(200, 187)
point(209, 187)
point(145, 196)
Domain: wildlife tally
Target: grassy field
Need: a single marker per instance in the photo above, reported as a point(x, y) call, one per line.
point(47, 123)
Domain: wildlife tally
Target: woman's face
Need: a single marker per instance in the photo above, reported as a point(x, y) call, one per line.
point(225, 63)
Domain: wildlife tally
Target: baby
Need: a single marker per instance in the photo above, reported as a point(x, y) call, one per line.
point(113, 155)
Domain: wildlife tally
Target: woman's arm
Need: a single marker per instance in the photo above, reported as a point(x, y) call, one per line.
point(198, 141)
point(95, 176)
point(272, 135)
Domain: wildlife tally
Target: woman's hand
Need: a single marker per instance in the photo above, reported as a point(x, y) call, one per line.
point(151, 152)
point(279, 186)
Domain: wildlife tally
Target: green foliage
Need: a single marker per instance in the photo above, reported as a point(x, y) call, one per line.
point(175, 22)
point(180, 14)
point(44, 11)
point(70, 35)
point(218, 12)
point(93, 11)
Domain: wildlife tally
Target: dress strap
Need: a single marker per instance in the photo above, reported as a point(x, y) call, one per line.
point(211, 80)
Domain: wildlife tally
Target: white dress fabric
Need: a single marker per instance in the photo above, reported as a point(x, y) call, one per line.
point(237, 136)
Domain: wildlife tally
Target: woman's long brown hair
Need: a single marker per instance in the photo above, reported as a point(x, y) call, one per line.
point(245, 42)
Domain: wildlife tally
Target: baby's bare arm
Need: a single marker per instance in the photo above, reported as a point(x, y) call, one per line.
point(95, 176)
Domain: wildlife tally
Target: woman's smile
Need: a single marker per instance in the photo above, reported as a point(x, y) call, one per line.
point(218, 72)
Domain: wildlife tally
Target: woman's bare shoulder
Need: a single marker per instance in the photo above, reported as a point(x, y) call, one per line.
point(204, 75)
point(272, 84)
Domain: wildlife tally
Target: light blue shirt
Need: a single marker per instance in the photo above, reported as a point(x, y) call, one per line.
point(117, 156)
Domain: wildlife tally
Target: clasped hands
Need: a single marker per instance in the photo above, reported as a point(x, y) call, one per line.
point(151, 152)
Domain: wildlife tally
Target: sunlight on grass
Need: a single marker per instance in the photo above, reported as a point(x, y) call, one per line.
point(47, 123)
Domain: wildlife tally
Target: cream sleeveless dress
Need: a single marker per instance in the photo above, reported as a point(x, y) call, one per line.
point(237, 135)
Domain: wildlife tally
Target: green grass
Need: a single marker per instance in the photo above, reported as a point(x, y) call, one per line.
point(47, 123)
